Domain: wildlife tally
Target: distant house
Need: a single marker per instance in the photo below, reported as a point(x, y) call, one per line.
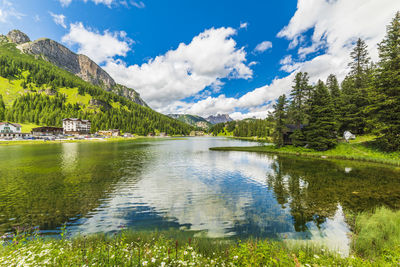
point(113, 132)
point(128, 135)
point(76, 126)
point(47, 131)
point(287, 140)
point(7, 127)
point(197, 133)
point(11, 130)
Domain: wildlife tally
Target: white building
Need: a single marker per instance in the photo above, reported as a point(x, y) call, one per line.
point(11, 130)
point(76, 126)
point(7, 127)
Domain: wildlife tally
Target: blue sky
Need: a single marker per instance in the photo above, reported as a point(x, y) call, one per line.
point(207, 57)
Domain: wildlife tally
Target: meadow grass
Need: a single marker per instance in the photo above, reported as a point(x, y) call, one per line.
point(171, 248)
point(254, 138)
point(360, 149)
point(376, 233)
point(10, 90)
point(27, 127)
point(74, 97)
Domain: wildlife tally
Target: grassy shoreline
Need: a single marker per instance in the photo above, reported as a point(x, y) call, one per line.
point(113, 139)
point(356, 150)
point(375, 243)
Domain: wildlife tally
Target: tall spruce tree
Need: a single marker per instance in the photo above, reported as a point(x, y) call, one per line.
point(299, 106)
point(299, 98)
point(360, 64)
point(280, 117)
point(387, 83)
point(320, 132)
point(355, 88)
point(333, 87)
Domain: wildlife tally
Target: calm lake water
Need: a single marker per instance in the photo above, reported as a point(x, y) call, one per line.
point(142, 185)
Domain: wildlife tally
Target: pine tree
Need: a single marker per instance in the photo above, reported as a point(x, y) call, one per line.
point(355, 87)
point(299, 96)
point(387, 83)
point(299, 106)
point(333, 86)
point(280, 117)
point(360, 64)
point(320, 132)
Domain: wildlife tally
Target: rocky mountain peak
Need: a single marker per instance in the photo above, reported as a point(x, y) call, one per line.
point(214, 119)
point(18, 37)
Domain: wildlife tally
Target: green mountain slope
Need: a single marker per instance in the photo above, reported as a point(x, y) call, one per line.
point(35, 91)
point(193, 120)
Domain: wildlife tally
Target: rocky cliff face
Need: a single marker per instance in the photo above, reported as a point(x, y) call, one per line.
point(219, 118)
point(80, 65)
point(18, 37)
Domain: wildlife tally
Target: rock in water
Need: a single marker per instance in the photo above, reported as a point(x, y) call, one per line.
point(18, 37)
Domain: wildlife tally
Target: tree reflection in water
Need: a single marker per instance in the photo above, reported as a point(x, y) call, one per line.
point(313, 189)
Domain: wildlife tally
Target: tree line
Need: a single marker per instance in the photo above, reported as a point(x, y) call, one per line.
point(245, 128)
point(366, 102)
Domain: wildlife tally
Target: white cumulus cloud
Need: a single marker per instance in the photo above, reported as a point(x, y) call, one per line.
point(138, 4)
point(243, 25)
point(166, 81)
point(65, 2)
point(335, 26)
point(59, 19)
point(262, 47)
point(109, 3)
point(100, 47)
point(186, 71)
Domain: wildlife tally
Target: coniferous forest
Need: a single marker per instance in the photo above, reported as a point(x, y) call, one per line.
point(366, 102)
point(42, 103)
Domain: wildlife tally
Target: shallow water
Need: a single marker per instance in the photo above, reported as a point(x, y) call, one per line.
point(101, 187)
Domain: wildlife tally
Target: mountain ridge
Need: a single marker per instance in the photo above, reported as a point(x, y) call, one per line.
point(78, 64)
point(193, 120)
point(219, 118)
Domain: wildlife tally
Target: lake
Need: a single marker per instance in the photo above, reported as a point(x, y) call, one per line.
point(149, 185)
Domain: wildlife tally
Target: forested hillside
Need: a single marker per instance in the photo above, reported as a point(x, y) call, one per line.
point(35, 91)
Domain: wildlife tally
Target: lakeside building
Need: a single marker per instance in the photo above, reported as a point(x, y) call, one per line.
point(11, 130)
point(113, 132)
point(290, 129)
point(76, 126)
point(197, 133)
point(47, 131)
